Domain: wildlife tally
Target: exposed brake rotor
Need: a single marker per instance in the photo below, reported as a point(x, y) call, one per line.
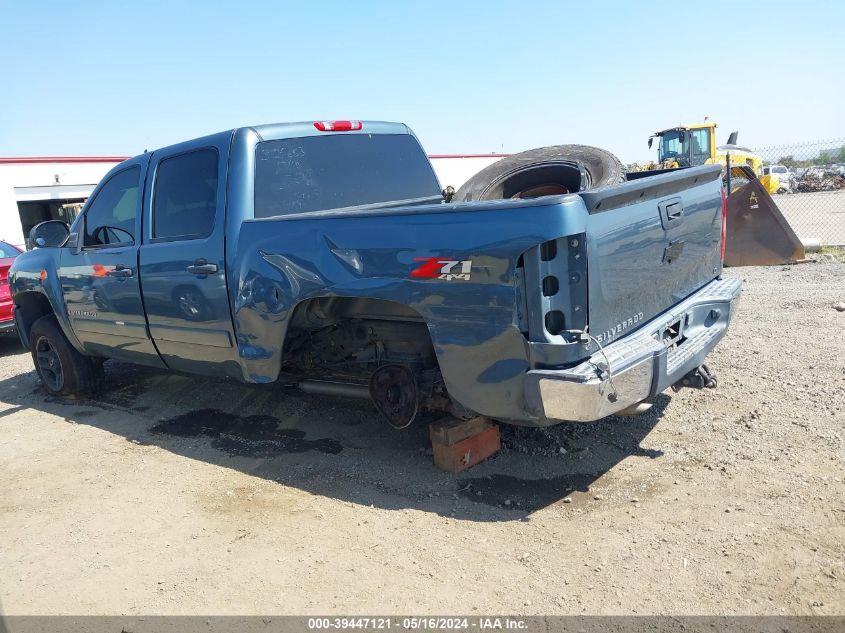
point(393, 389)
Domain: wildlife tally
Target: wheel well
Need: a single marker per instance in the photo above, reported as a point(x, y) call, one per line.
point(349, 340)
point(29, 307)
point(330, 327)
point(322, 311)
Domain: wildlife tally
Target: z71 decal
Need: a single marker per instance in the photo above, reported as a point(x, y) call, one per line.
point(446, 269)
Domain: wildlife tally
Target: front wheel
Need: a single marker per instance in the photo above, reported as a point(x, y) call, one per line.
point(62, 369)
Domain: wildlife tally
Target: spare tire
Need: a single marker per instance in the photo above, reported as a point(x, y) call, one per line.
point(544, 171)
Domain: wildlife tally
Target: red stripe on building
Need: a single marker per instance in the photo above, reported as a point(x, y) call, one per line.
point(26, 160)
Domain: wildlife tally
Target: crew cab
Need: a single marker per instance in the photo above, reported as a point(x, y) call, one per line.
point(325, 255)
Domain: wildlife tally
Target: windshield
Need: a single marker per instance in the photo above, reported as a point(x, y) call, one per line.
point(671, 147)
point(316, 173)
point(7, 250)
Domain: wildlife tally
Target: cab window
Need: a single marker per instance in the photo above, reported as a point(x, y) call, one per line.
point(317, 173)
point(185, 197)
point(110, 218)
point(700, 146)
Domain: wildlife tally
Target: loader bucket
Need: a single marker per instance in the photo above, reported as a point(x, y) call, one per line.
point(757, 234)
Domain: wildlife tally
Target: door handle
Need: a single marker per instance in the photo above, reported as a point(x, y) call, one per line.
point(674, 211)
point(121, 272)
point(671, 212)
point(202, 267)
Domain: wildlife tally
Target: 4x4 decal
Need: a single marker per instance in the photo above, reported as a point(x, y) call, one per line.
point(446, 269)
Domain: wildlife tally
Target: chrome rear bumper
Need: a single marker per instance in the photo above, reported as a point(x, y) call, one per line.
point(640, 364)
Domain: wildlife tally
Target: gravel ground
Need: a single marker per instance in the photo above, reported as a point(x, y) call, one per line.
point(179, 495)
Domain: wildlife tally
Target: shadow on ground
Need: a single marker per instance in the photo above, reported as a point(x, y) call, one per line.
point(339, 448)
point(10, 344)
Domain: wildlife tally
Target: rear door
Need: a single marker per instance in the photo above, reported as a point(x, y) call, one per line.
point(99, 270)
point(182, 259)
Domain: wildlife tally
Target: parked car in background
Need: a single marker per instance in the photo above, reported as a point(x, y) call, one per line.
point(782, 174)
point(7, 256)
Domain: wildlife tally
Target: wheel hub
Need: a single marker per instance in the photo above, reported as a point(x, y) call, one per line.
point(49, 364)
point(393, 389)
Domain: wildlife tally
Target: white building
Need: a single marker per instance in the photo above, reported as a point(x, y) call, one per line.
point(35, 189)
point(456, 169)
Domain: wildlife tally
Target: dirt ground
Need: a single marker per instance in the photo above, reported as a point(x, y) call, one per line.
point(179, 495)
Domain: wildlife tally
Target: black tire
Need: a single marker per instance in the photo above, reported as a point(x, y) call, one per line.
point(62, 369)
point(543, 171)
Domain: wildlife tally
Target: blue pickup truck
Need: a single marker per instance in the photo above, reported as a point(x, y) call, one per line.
point(326, 255)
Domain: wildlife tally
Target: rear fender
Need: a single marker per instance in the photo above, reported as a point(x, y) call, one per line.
point(473, 321)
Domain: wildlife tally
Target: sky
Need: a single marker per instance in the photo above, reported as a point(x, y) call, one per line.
point(116, 78)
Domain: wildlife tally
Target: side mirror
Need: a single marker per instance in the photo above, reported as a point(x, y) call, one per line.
point(448, 193)
point(49, 234)
point(682, 136)
point(650, 141)
point(732, 138)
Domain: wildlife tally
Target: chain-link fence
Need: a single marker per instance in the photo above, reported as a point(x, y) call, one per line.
point(811, 187)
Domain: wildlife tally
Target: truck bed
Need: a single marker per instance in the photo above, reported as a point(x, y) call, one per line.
point(616, 257)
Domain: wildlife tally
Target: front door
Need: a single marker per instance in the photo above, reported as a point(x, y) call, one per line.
point(99, 271)
point(182, 259)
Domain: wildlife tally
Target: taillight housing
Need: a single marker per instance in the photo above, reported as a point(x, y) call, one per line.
point(554, 290)
point(338, 126)
point(724, 223)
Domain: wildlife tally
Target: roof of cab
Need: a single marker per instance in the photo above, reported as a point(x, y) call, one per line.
point(276, 131)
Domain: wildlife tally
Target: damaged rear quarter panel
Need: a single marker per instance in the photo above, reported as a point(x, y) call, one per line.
point(280, 262)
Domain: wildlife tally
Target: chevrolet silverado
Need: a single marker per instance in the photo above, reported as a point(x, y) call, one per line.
point(326, 255)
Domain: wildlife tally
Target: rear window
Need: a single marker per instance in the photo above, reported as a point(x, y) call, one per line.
point(316, 173)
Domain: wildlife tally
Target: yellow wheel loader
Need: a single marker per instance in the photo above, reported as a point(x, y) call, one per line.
point(757, 232)
point(692, 145)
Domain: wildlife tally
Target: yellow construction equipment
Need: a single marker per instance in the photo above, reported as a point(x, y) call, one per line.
point(757, 232)
point(692, 145)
